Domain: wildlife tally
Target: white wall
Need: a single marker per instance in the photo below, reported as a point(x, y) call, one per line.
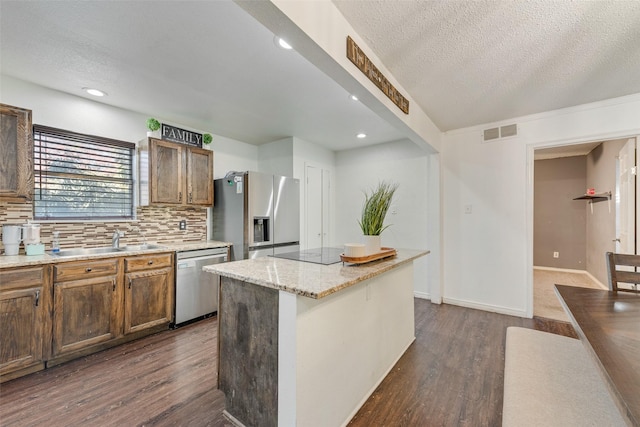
point(401, 162)
point(488, 253)
point(60, 110)
point(276, 157)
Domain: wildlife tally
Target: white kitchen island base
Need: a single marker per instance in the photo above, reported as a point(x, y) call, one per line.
point(288, 359)
point(339, 348)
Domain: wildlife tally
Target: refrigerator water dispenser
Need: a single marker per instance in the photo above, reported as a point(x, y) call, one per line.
point(260, 229)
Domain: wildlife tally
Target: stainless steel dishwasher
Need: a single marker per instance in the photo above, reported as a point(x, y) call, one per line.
point(196, 290)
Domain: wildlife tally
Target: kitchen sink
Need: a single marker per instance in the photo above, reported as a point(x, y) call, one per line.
point(104, 250)
point(86, 251)
point(141, 247)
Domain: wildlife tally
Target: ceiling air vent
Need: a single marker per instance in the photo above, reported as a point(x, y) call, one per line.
point(501, 132)
point(490, 134)
point(508, 130)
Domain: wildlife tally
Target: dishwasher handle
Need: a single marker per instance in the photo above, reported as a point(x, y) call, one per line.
point(218, 258)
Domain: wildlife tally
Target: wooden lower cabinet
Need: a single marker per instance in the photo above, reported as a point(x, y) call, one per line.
point(148, 300)
point(55, 313)
point(86, 299)
point(25, 320)
point(85, 313)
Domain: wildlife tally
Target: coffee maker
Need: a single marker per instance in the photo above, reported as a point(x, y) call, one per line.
point(11, 238)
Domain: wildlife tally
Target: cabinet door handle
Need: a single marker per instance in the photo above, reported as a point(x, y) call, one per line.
point(180, 197)
point(37, 298)
point(150, 262)
point(190, 198)
point(88, 269)
point(129, 283)
point(114, 285)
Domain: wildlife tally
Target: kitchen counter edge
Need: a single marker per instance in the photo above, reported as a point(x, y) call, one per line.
point(11, 261)
point(309, 279)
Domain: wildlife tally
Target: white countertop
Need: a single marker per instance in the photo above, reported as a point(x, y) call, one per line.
point(309, 279)
point(28, 260)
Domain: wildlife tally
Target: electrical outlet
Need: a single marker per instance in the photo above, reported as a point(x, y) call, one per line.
point(556, 254)
point(183, 225)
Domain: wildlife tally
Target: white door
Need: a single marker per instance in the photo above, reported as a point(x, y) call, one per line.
point(317, 207)
point(626, 199)
point(313, 196)
point(326, 203)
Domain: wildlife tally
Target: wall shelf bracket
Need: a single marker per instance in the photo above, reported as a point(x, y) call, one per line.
point(598, 197)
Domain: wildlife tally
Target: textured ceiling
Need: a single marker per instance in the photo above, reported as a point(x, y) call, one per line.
point(207, 65)
point(473, 62)
point(210, 66)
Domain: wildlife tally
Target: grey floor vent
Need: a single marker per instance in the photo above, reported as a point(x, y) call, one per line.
point(501, 132)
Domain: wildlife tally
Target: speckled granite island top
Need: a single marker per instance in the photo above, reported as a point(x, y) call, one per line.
point(309, 279)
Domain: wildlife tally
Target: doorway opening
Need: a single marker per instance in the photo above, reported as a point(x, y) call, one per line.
point(584, 205)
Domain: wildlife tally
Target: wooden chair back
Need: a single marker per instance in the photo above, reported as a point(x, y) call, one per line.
point(614, 262)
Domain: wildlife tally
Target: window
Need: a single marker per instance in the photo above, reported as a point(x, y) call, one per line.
point(81, 177)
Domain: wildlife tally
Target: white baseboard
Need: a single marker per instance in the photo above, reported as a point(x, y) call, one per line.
point(570, 270)
point(485, 307)
point(562, 270)
point(421, 295)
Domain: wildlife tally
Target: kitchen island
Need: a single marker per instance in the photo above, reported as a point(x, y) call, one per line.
point(305, 344)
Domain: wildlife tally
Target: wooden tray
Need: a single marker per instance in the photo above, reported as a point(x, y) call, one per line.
point(384, 253)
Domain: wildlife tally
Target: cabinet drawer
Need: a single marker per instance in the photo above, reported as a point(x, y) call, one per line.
point(146, 262)
point(21, 278)
point(83, 269)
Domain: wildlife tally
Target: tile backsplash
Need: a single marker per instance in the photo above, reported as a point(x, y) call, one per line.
point(156, 224)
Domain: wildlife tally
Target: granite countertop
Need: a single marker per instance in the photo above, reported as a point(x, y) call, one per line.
point(309, 279)
point(28, 260)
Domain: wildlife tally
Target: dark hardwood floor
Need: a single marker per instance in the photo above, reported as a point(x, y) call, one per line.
point(452, 375)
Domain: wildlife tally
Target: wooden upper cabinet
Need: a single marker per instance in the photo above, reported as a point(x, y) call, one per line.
point(16, 154)
point(199, 176)
point(166, 172)
point(175, 174)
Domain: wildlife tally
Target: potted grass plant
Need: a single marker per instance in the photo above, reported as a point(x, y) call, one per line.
point(375, 207)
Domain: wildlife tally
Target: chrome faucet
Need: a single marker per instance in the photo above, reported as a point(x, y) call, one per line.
point(115, 239)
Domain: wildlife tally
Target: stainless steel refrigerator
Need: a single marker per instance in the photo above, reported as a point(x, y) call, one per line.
point(258, 213)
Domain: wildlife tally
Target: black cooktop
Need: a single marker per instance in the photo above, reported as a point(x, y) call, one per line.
point(325, 256)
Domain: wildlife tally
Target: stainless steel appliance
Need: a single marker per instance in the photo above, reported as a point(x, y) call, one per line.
point(324, 256)
point(196, 290)
point(258, 213)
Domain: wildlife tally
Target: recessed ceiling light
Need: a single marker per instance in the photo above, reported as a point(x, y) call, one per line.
point(281, 43)
point(94, 92)
point(353, 97)
point(361, 135)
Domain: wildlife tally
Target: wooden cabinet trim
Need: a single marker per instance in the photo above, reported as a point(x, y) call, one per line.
point(21, 277)
point(75, 270)
point(148, 262)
